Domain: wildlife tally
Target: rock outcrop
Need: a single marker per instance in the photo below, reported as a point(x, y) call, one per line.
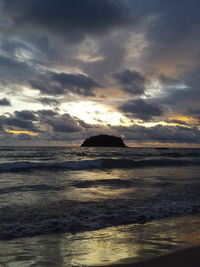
point(103, 141)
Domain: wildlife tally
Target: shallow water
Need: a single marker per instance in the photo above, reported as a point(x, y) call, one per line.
point(122, 244)
point(49, 190)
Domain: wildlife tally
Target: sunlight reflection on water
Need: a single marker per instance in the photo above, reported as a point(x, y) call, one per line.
point(115, 244)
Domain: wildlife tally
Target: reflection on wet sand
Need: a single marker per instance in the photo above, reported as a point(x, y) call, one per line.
point(115, 244)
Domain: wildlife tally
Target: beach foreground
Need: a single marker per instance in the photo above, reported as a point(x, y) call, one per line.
point(189, 257)
point(131, 245)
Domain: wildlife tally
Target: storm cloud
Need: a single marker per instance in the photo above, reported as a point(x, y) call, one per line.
point(15, 123)
point(131, 81)
point(26, 115)
point(14, 71)
point(61, 83)
point(161, 133)
point(74, 18)
point(4, 102)
point(48, 101)
point(142, 110)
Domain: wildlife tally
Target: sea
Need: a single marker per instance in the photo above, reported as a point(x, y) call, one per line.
point(79, 206)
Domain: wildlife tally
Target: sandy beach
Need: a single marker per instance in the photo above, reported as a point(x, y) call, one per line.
point(189, 257)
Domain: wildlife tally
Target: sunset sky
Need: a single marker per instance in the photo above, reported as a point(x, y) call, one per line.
point(70, 69)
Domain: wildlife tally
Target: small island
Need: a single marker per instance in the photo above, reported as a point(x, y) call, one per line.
point(103, 141)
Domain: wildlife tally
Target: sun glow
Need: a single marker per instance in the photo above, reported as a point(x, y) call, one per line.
point(187, 119)
point(21, 132)
point(94, 113)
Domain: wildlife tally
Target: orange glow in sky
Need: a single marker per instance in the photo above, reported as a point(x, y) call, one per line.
point(21, 132)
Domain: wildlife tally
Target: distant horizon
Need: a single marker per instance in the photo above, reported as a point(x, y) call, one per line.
point(129, 145)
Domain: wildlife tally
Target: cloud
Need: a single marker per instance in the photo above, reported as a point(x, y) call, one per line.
point(52, 126)
point(77, 82)
point(73, 19)
point(160, 133)
point(183, 98)
point(48, 101)
point(141, 110)
point(110, 54)
point(168, 81)
point(180, 122)
point(42, 121)
point(17, 123)
point(65, 124)
point(12, 46)
point(14, 71)
point(4, 102)
point(195, 113)
point(62, 83)
point(26, 115)
point(131, 81)
point(173, 35)
point(46, 112)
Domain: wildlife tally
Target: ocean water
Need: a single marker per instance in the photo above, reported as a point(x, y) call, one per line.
point(76, 190)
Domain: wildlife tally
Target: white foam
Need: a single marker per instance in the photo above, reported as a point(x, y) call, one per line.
point(71, 216)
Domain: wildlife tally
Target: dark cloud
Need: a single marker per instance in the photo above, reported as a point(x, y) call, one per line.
point(14, 71)
point(76, 82)
point(131, 81)
point(73, 19)
point(46, 112)
point(195, 113)
point(62, 83)
point(168, 81)
point(178, 122)
point(48, 101)
point(161, 133)
point(141, 110)
point(4, 102)
point(64, 123)
point(179, 18)
point(17, 123)
point(26, 115)
point(173, 34)
point(12, 46)
point(184, 98)
point(109, 57)
point(41, 119)
point(66, 128)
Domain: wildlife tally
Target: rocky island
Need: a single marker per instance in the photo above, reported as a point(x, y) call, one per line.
point(103, 141)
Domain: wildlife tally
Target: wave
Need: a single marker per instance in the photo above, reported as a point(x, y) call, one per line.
point(7, 149)
point(180, 155)
point(114, 183)
point(28, 188)
point(75, 216)
point(94, 164)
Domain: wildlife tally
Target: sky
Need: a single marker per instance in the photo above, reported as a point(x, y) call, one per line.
point(70, 69)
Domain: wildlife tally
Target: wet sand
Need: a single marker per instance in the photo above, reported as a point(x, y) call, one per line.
point(189, 257)
point(126, 245)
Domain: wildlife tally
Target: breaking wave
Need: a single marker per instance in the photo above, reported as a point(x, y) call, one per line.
point(75, 216)
point(94, 164)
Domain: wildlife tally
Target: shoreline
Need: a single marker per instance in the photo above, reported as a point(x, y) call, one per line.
point(162, 242)
point(187, 257)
